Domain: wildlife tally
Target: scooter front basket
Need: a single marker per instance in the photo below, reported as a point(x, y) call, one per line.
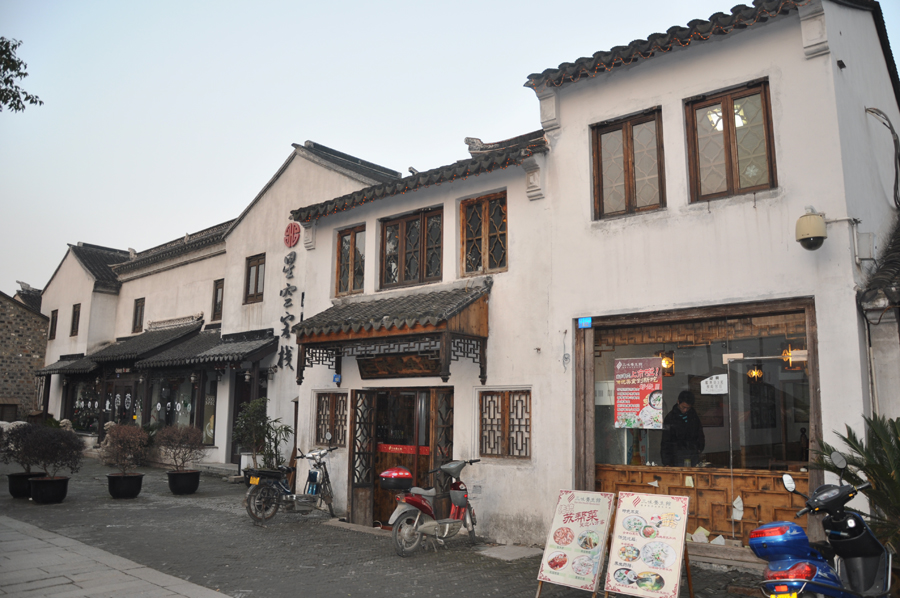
point(459, 498)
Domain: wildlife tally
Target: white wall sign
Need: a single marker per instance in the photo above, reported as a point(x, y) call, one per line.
point(715, 385)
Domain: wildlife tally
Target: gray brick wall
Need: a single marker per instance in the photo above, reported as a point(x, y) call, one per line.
point(23, 342)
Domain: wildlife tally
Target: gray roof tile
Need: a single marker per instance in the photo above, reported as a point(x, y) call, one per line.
point(208, 347)
point(97, 260)
point(402, 310)
point(495, 156)
point(143, 344)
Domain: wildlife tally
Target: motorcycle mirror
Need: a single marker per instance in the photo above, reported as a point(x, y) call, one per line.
point(838, 460)
point(328, 437)
point(788, 482)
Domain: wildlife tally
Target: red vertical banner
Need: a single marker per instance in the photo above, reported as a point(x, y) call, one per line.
point(638, 393)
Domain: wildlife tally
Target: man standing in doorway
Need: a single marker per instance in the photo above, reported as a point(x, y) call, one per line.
point(682, 437)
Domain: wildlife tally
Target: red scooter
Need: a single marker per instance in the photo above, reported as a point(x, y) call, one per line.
point(414, 517)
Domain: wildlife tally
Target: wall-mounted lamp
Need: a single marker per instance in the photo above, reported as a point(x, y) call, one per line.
point(755, 373)
point(247, 376)
point(65, 381)
point(141, 379)
point(667, 362)
point(218, 376)
point(193, 377)
point(97, 381)
point(271, 372)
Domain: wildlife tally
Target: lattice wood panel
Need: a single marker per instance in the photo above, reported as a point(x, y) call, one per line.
point(704, 332)
point(712, 494)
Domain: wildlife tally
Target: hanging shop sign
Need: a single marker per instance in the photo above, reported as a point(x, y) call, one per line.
point(647, 546)
point(576, 543)
point(638, 393)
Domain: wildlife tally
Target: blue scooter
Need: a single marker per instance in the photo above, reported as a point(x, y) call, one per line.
point(852, 564)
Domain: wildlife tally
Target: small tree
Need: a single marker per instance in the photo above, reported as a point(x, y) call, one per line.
point(12, 96)
point(256, 431)
point(180, 445)
point(876, 460)
point(13, 445)
point(125, 447)
point(52, 449)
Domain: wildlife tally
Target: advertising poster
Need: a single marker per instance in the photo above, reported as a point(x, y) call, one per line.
point(577, 540)
point(638, 393)
point(647, 545)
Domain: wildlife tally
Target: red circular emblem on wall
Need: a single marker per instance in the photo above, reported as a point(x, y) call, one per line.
point(292, 234)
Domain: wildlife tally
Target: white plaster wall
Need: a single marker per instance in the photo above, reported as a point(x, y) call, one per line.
point(171, 291)
point(261, 230)
point(521, 351)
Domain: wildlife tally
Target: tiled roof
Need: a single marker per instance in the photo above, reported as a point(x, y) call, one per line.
point(98, 260)
point(189, 242)
point(403, 310)
point(367, 169)
point(209, 347)
point(139, 346)
point(68, 365)
point(499, 155)
point(886, 279)
point(30, 297)
point(698, 30)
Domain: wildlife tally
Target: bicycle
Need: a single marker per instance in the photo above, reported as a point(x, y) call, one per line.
point(269, 489)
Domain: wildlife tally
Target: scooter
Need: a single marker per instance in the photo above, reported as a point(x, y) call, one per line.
point(852, 564)
point(413, 519)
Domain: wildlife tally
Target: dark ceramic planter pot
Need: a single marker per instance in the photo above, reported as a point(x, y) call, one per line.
point(183, 482)
point(18, 483)
point(48, 491)
point(126, 485)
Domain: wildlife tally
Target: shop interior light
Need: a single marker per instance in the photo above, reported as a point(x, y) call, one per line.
point(193, 377)
point(667, 362)
point(755, 374)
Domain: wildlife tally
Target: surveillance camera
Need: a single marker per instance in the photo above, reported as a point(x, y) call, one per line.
point(811, 231)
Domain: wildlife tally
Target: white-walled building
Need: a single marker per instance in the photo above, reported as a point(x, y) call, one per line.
point(482, 309)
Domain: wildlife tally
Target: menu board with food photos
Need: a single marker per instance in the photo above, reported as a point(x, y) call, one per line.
point(647, 545)
point(638, 393)
point(576, 543)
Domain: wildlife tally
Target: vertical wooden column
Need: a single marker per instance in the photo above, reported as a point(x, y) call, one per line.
point(482, 361)
point(446, 352)
point(584, 409)
point(301, 362)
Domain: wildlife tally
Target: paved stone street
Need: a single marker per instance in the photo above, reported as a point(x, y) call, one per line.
point(173, 542)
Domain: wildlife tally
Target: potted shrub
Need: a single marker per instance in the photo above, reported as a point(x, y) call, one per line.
point(261, 435)
point(52, 449)
point(180, 445)
point(12, 450)
point(125, 447)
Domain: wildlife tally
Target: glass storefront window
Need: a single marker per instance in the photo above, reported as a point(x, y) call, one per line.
point(172, 401)
point(208, 414)
point(758, 420)
point(85, 408)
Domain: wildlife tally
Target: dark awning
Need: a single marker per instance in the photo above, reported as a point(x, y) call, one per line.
point(145, 344)
point(68, 365)
point(209, 347)
point(442, 325)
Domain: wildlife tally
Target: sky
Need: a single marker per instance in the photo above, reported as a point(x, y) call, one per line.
point(163, 117)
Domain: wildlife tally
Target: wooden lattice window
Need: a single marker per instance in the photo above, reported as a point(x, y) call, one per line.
point(54, 317)
point(411, 249)
point(218, 299)
point(506, 423)
point(255, 277)
point(331, 416)
point(628, 166)
point(351, 260)
point(730, 145)
point(76, 317)
point(484, 240)
point(137, 320)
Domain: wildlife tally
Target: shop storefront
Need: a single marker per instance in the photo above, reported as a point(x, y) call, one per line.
point(746, 380)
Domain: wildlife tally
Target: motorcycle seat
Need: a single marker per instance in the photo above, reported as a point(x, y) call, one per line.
point(423, 491)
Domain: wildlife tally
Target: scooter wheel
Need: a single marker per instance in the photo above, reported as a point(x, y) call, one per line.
point(406, 537)
point(261, 502)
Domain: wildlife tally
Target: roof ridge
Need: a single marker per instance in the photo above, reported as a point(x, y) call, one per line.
point(100, 247)
point(309, 144)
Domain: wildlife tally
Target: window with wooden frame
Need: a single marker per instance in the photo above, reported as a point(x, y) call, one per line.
point(331, 416)
point(54, 317)
point(505, 423)
point(411, 249)
point(255, 278)
point(137, 320)
point(730, 143)
point(483, 224)
point(351, 260)
point(628, 166)
point(76, 316)
point(218, 299)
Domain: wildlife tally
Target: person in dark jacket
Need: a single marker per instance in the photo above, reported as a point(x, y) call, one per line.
point(682, 437)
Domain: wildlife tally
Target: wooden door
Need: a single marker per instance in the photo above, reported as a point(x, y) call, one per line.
point(242, 390)
point(361, 482)
point(441, 445)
